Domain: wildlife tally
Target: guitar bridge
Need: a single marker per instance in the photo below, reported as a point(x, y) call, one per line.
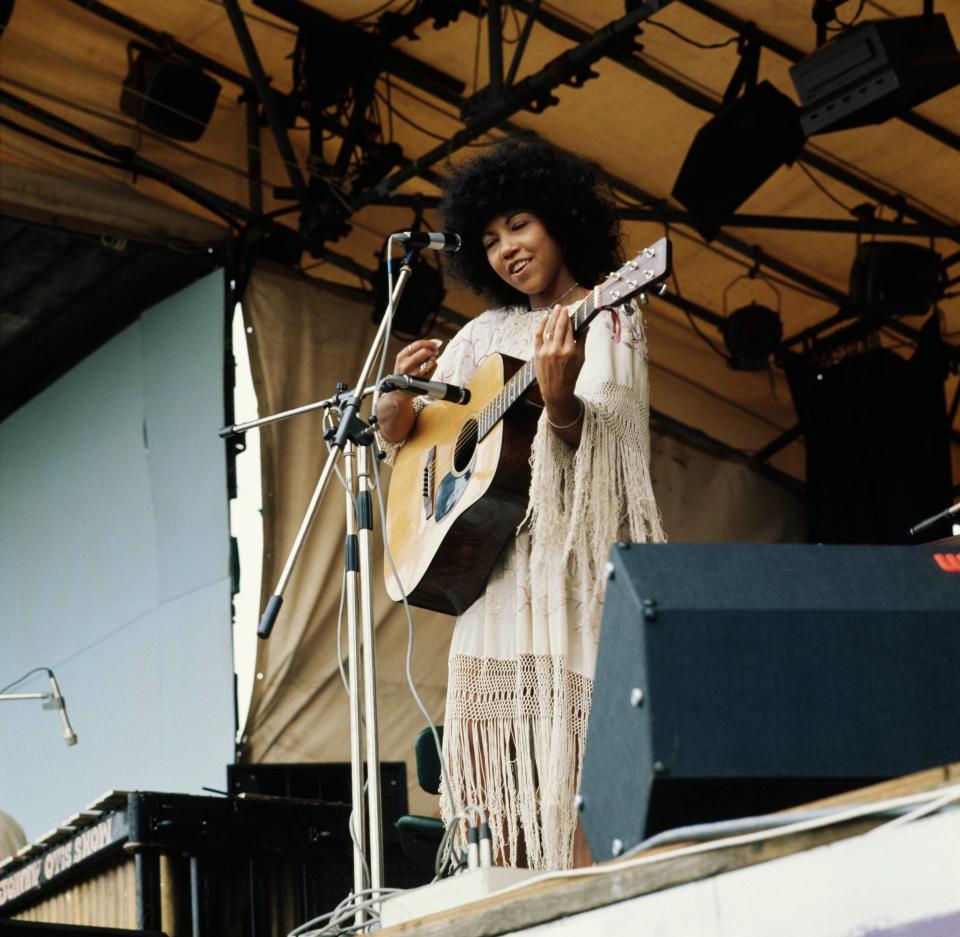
point(428, 475)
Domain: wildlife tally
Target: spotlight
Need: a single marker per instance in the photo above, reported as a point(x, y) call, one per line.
point(322, 216)
point(168, 95)
point(377, 159)
point(896, 278)
point(735, 153)
point(752, 334)
point(6, 11)
point(874, 71)
point(329, 62)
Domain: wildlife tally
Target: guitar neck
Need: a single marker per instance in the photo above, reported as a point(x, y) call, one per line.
point(526, 377)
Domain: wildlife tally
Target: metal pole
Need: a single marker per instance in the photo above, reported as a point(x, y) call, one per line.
point(352, 564)
point(254, 161)
point(365, 536)
point(522, 42)
point(276, 600)
point(495, 41)
point(350, 411)
point(266, 94)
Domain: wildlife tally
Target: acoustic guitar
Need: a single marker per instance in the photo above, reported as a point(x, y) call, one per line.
point(460, 485)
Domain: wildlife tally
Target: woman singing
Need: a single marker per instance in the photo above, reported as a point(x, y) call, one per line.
point(539, 230)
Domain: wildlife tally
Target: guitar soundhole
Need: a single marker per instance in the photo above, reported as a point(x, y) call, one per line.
point(466, 447)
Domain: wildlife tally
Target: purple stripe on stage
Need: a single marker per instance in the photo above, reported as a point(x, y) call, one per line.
point(948, 926)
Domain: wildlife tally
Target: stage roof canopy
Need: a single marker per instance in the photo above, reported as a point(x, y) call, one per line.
point(146, 212)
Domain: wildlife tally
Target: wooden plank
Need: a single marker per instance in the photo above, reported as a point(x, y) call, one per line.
point(615, 881)
point(916, 783)
point(548, 900)
point(100, 206)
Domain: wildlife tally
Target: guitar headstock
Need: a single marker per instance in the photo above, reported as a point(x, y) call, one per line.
point(647, 270)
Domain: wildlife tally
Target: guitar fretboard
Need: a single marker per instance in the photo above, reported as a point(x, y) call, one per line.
point(526, 377)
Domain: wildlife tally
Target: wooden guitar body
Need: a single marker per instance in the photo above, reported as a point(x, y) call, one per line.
point(461, 483)
point(454, 502)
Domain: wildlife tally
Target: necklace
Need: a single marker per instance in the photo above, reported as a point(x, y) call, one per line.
point(551, 305)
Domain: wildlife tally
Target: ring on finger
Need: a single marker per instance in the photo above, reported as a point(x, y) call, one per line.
point(547, 336)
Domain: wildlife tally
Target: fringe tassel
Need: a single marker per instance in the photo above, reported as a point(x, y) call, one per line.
point(584, 500)
point(511, 747)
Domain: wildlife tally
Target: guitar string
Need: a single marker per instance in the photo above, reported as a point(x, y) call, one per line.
point(522, 380)
point(525, 376)
point(514, 388)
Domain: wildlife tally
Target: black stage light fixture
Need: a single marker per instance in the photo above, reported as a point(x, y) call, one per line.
point(896, 278)
point(735, 152)
point(329, 62)
point(376, 159)
point(168, 95)
point(752, 334)
point(6, 11)
point(322, 216)
point(874, 71)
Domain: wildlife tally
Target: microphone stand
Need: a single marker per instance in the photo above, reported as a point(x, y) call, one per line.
point(935, 519)
point(52, 700)
point(351, 440)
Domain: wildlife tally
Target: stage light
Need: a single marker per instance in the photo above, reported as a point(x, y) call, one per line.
point(6, 11)
point(874, 71)
point(323, 216)
point(752, 334)
point(734, 153)
point(896, 278)
point(168, 95)
point(376, 160)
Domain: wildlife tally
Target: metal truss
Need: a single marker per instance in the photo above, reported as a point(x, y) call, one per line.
point(491, 108)
point(792, 54)
point(702, 101)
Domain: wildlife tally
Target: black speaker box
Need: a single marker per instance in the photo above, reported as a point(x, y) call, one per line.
point(734, 680)
point(168, 95)
point(734, 153)
point(875, 70)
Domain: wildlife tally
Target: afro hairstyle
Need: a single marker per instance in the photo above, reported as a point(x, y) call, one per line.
point(519, 173)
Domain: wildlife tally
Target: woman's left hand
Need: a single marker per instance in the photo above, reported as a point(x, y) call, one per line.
point(558, 357)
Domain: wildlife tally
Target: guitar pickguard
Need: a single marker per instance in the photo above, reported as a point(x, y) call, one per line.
point(449, 492)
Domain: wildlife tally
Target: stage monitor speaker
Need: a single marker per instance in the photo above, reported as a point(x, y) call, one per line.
point(734, 680)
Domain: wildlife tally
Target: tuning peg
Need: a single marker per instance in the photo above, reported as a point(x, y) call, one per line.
point(644, 299)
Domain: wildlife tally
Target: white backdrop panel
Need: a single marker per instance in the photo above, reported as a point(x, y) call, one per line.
point(114, 568)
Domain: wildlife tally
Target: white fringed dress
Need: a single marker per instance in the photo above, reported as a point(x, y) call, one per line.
point(523, 655)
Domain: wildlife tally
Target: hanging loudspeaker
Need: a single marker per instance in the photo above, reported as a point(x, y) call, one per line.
point(168, 95)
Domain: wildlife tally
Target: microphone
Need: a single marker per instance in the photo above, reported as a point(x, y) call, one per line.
point(436, 389)
point(60, 704)
point(433, 240)
point(930, 521)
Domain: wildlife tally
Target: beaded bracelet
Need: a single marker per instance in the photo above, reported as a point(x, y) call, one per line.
point(573, 422)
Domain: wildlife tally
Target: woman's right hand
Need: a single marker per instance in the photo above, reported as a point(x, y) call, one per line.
point(419, 358)
point(395, 413)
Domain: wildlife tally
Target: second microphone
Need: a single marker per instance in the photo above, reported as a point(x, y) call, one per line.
point(435, 389)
